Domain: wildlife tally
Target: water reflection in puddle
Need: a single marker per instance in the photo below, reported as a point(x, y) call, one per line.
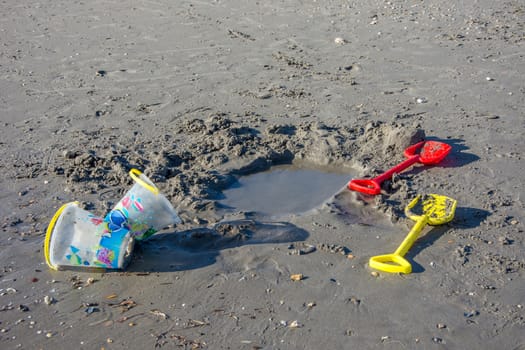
point(284, 190)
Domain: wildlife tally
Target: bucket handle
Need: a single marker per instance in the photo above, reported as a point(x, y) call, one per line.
point(135, 175)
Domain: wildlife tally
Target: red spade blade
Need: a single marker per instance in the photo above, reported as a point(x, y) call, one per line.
point(434, 152)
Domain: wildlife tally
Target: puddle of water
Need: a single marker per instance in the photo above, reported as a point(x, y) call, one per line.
point(284, 190)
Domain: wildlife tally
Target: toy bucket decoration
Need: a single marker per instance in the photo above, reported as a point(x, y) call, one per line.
point(145, 209)
point(77, 238)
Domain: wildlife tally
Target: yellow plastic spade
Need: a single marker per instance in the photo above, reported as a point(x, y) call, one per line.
point(432, 209)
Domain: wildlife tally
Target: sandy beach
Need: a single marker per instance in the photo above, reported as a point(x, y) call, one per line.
point(204, 95)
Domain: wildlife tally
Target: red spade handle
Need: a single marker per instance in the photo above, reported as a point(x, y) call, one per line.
point(373, 186)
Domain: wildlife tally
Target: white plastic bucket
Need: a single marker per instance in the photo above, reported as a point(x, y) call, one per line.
point(145, 209)
point(77, 238)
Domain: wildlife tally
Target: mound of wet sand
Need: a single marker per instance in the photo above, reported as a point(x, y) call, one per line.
point(203, 157)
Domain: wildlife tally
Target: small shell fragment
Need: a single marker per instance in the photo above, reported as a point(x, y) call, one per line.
point(160, 314)
point(374, 273)
point(49, 300)
point(339, 41)
point(295, 324)
point(350, 256)
point(297, 277)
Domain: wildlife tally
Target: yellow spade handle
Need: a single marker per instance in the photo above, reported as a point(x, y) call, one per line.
point(395, 262)
point(412, 236)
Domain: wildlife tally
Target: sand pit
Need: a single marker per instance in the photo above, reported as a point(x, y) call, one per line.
point(283, 190)
point(200, 95)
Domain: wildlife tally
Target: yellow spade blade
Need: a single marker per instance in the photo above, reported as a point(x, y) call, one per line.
point(439, 209)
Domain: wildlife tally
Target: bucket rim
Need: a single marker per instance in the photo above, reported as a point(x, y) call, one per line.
point(49, 233)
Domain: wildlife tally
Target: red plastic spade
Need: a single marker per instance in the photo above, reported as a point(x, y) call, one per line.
point(431, 152)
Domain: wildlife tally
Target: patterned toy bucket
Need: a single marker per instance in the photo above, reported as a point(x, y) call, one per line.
point(77, 238)
point(145, 209)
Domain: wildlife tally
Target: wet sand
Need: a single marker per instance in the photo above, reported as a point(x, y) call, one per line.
point(198, 93)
